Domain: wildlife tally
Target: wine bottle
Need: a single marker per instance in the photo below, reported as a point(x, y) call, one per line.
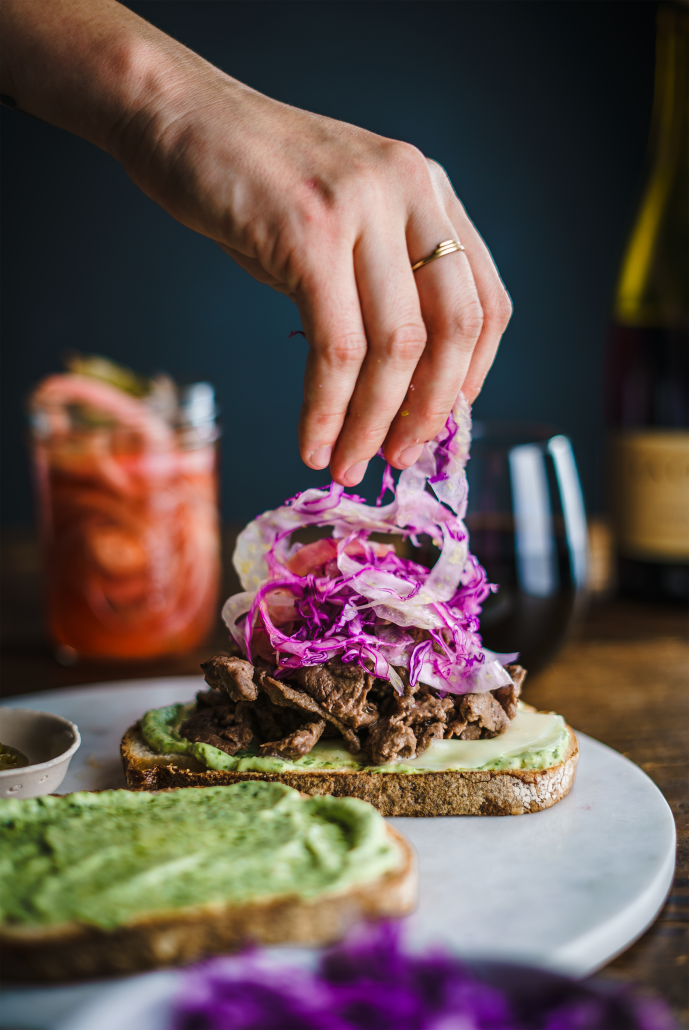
point(648, 347)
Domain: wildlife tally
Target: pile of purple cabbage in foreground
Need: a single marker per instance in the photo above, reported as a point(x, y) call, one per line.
point(350, 597)
point(371, 983)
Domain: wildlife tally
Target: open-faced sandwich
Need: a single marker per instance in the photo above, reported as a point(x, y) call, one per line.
point(118, 882)
point(359, 672)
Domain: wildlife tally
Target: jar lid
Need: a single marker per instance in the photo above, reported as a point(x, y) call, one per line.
point(197, 404)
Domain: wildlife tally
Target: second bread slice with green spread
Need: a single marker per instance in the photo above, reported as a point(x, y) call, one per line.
point(120, 881)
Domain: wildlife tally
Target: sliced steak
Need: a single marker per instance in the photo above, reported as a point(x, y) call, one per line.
point(487, 713)
point(338, 698)
point(429, 719)
point(212, 698)
point(233, 675)
point(341, 689)
point(507, 698)
point(295, 744)
point(407, 731)
point(430, 708)
point(381, 695)
point(455, 727)
point(272, 722)
point(428, 732)
point(283, 695)
point(391, 740)
point(518, 674)
point(226, 727)
point(509, 695)
point(472, 731)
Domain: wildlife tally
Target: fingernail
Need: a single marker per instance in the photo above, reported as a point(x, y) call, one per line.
point(355, 474)
point(320, 458)
point(411, 455)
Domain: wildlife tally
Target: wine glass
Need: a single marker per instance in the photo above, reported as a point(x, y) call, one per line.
point(527, 527)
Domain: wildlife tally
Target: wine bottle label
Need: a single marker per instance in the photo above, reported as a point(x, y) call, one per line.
point(650, 493)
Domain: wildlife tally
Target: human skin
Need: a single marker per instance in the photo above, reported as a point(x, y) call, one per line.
point(330, 214)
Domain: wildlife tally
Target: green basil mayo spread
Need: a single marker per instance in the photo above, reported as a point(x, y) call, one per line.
point(533, 740)
point(107, 858)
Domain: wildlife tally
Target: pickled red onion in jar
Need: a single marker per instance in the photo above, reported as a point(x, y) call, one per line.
point(129, 516)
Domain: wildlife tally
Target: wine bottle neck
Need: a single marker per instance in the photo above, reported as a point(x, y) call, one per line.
point(653, 286)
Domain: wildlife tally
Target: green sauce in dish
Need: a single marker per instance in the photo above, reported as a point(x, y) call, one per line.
point(11, 758)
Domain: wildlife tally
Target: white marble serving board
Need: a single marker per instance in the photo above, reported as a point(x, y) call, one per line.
point(565, 889)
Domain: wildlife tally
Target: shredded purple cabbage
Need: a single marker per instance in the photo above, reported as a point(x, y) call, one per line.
point(347, 596)
point(371, 983)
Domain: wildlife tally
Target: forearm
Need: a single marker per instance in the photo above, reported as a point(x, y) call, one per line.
point(92, 67)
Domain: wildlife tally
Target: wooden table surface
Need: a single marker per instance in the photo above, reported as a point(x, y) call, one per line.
point(623, 678)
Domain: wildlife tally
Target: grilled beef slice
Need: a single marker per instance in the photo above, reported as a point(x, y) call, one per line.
point(272, 722)
point(284, 695)
point(409, 725)
point(231, 726)
point(485, 713)
point(233, 675)
point(509, 695)
point(466, 722)
point(227, 727)
point(295, 744)
point(211, 698)
point(284, 732)
point(277, 725)
point(341, 689)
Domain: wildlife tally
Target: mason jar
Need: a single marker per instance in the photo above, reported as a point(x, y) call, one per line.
point(128, 509)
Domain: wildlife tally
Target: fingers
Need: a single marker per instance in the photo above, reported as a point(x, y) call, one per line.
point(453, 316)
point(466, 310)
point(396, 339)
point(493, 297)
point(331, 316)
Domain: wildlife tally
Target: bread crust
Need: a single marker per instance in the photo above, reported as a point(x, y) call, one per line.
point(464, 792)
point(74, 951)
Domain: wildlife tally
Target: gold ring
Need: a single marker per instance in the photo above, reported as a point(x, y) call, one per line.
point(448, 247)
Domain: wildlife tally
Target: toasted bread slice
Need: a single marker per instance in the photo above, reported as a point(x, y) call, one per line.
point(465, 792)
point(74, 951)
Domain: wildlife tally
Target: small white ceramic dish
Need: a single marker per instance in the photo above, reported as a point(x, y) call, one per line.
point(47, 740)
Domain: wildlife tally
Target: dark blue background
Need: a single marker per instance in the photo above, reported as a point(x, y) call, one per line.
point(538, 111)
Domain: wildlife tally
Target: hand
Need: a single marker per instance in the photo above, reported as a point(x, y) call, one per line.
point(333, 216)
point(330, 214)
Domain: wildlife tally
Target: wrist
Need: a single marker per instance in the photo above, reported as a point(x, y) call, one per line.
point(92, 67)
point(166, 90)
